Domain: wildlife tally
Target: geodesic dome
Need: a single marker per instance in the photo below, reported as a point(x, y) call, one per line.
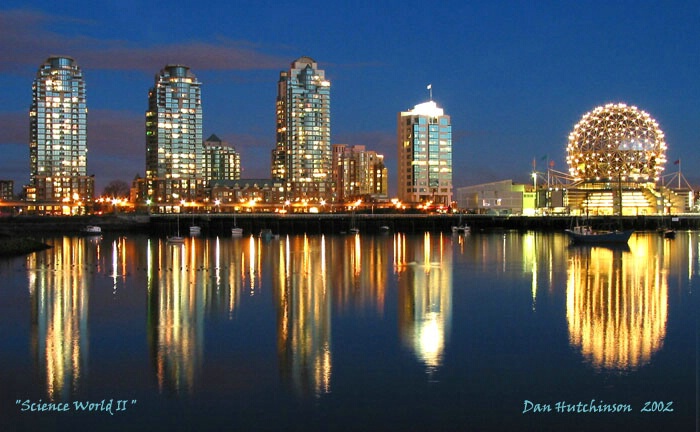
point(616, 142)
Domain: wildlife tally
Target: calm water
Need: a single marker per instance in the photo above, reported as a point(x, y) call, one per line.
point(488, 332)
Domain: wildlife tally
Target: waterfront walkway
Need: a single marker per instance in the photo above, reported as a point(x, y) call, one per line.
point(328, 223)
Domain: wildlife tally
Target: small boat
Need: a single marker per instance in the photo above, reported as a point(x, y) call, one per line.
point(176, 239)
point(353, 227)
point(585, 234)
point(266, 234)
point(667, 233)
point(461, 229)
point(195, 230)
point(92, 230)
point(384, 229)
point(236, 231)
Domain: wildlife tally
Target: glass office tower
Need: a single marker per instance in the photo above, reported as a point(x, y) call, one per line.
point(58, 139)
point(174, 148)
point(425, 155)
point(302, 156)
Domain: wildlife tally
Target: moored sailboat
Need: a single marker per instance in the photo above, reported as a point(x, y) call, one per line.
point(176, 239)
point(236, 231)
point(586, 234)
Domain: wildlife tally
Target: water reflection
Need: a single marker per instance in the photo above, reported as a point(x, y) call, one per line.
point(360, 271)
point(303, 304)
point(59, 282)
point(616, 304)
point(424, 268)
point(532, 257)
point(176, 300)
point(616, 301)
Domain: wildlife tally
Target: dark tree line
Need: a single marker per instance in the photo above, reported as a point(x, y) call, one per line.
point(116, 189)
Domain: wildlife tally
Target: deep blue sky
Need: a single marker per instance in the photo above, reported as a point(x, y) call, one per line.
point(515, 76)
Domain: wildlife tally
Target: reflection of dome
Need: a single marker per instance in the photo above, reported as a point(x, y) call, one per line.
point(617, 305)
point(616, 142)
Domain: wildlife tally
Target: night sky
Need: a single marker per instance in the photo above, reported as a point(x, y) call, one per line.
point(515, 77)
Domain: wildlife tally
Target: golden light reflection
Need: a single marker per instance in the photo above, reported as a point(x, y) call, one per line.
point(616, 304)
point(251, 260)
point(530, 263)
point(118, 263)
point(359, 266)
point(176, 319)
point(399, 250)
point(304, 316)
point(356, 256)
point(217, 264)
point(59, 282)
point(425, 296)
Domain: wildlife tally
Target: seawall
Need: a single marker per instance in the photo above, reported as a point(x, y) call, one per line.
point(323, 223)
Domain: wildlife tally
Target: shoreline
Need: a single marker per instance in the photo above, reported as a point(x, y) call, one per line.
point(18, 246)
point(327, 223)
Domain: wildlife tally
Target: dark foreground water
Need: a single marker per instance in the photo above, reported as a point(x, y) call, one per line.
point(489, 332)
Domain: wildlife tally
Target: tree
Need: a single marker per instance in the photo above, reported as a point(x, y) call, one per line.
point(117, 189)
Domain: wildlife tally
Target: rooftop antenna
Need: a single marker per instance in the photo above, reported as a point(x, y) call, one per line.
point(430, 90)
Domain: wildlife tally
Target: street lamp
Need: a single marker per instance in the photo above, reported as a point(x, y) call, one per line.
point(534, 185)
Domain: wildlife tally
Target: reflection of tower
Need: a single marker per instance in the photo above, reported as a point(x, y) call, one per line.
point(304, 315)
point(58, 289)
point(616, 305)
point(425, 296)
point(354, 288)
point(175, 318)
point(226, 292)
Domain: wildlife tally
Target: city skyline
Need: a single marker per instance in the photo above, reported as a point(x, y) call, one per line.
point(514, 77)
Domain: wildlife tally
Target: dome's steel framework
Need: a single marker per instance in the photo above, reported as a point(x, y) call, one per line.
point(616, 142)
point(616, 156)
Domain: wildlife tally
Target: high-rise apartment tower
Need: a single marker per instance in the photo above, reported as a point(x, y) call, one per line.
point(58, 138)
point(221, 161)
point(174, 148)
point(358, 173)
point(302, 156)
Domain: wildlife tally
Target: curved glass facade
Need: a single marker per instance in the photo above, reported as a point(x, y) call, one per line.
point(303, 154)
point(174, 148)
point(58, 136)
